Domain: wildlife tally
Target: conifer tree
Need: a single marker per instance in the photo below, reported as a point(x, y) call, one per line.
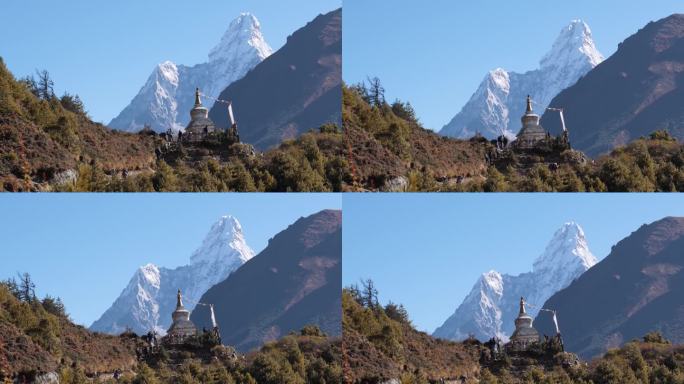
point(13, 287)
point(27, 289)
point(370, 293)
point(31, 84)
point(72, 103)
point(45, 85)
point(377, 92)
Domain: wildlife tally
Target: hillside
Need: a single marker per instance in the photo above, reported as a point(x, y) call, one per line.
point(380, 345)
point(39, 341)
point(48, 143)
point(293, 282)
point(292, 91)
point(636, 289)
point(390, 150)
point(43, 138)
point(634, 92)
point(36, 336)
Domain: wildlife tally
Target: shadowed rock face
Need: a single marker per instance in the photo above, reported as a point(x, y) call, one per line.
point(637, 90)
point(296, 89)
point(294, 282)
point(636, 289)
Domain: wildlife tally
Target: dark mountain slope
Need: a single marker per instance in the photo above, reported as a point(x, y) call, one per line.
point(636, 289)
point(636, 91)
point(294, 90)
point(294, 282)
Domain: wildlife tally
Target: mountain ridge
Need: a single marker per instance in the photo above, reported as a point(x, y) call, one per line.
point(295, 281)
point(381, 345)
point(636, 91)
point(166, 98)
point(148, 300)
point(631, 292)
point(491, 306)
point(296, 89)
point(495, 106)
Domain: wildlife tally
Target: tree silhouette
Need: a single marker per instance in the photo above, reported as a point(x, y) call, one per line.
point(45, 85)
point(369, 293)
point(376, 93)
point(27, 289)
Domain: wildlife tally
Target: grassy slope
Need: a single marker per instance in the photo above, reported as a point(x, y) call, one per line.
point(33, 339)
point(385, 145)
point(40, 139)
point(377, 348)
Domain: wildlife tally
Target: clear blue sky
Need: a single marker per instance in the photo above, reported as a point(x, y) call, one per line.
point(105, 50)
point(86, 247)
point(427, 251)
point(435, 53)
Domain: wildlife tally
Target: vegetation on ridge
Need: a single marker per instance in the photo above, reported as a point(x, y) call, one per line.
point(37, 337)
point(49, 143)
point(392, 151)
point(381, 344)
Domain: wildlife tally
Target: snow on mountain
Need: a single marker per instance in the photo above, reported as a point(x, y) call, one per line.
point(492, 305)
point(150, 296)
point(168, 95)
point(495, 107)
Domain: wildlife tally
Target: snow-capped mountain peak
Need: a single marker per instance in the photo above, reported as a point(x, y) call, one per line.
point(150, 274)
point(573, 47)
point(491, 306)
point(499, 77)
point(493, 281)
point(150, 296)
point(243, 32)
point(168, 95)
point(495, 107)
point(568, 248)
point(167, 71)
point(225, 239)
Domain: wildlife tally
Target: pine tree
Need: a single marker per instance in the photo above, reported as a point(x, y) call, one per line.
point(72, 103)
point(27, 289)
point(376, 92)
point(31, 84)
point(355, 293)
point(370, 293)
point(13, 287)
point(397, 312)
point(45, 85)
point(361, 90)
point(54, 305)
